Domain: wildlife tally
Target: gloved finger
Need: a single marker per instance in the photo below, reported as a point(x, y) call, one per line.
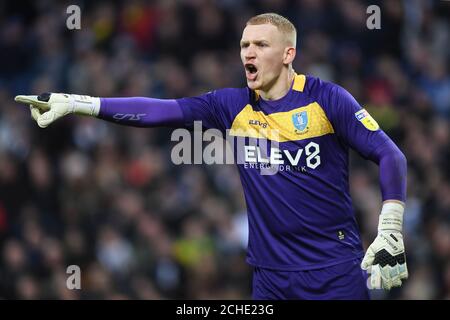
point(375, 280)
point(35, 112)
point(390, 277)
point(368, 258)
point(26, 99)
point(403, 271)
point(386, 284)
point(46, 118)
point(57, 111)
point(385, 279)
point(33, 99)
point(396, 283)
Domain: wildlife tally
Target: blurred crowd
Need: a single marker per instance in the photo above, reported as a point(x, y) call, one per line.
point(108, 198)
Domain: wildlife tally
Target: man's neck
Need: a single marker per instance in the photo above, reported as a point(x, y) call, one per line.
point(280, 88)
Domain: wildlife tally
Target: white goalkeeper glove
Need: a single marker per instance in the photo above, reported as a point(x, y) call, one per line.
point(385, 258)
point(49, 107)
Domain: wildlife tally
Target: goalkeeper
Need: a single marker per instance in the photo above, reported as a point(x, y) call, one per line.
point(304, 241)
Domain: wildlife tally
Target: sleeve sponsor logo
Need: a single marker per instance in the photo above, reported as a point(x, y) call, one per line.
point(366, 119)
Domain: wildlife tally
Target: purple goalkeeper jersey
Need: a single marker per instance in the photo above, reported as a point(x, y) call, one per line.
point(300, 217)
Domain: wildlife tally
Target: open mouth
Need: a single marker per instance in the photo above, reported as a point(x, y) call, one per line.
point(251, 71)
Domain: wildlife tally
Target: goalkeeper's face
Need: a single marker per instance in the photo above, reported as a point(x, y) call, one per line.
point(264, 55)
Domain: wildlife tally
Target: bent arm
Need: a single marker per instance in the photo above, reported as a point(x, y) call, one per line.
point(141, 112)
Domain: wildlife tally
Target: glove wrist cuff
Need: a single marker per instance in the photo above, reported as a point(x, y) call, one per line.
point(85, 105)
point(391, 217)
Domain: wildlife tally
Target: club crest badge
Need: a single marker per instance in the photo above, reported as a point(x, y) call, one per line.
point(300, 121)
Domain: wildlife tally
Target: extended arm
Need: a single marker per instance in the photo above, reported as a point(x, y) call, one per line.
point(139, 112)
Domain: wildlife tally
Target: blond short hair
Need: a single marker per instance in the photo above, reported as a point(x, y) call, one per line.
point(284, 25)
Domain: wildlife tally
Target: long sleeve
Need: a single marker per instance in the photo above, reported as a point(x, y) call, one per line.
point(359, 130)
point(393, 171)
point(141, 112)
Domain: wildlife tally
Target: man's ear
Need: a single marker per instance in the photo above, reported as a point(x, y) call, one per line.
point(289, 55)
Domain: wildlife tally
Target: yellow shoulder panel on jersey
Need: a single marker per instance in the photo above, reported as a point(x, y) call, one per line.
point(298, 85)
point(299, 82)
point(298, 124)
